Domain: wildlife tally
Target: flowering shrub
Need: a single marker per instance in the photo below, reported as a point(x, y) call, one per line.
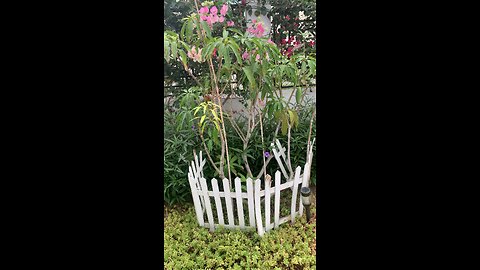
point(241, 62)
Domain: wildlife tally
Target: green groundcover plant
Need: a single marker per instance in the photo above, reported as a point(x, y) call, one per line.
point(188, 246)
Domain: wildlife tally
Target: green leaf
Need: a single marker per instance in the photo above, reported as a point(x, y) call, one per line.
point(284, 125)
point(189, 30)
point(203, 119)
point(236, 50)
point(225, 33)
point(183, 57)
point(298, 95)
point(210, 145)
point(205, 27)
point(249, 74)
point(174, 50)
point(166, 50)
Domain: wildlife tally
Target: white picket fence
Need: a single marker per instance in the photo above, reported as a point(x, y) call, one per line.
point(252, 197)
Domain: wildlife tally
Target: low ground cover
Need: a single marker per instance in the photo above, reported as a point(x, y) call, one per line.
point(189, 246)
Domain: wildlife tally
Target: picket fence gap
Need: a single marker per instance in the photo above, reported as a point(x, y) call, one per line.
point(253, 196)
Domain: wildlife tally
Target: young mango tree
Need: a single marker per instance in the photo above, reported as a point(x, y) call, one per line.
point(240, 62)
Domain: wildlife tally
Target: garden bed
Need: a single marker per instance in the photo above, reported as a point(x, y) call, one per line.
point(189, 246)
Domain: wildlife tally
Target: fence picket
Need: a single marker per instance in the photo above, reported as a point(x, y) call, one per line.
point(281, 151)
point(296, 181)
point(239, 200)
point(218, 202)
point(201, 195)
point(251, 208)
point(268, 183)
point(277, 199)
point(228, 201)
point(280, 163)
point(196, 200)
point(203, 183)
point(258, 209)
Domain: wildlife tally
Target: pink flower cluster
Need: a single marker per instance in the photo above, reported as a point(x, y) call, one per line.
point(195, 55)
point(256, 29)
point(211, 15)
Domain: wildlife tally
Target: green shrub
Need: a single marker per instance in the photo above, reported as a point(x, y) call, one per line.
point(178, 153)
point(181, 140)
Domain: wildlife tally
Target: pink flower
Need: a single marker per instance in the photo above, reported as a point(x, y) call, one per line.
point(312, 43)
point(213, 10)
point(257, 57)
point(203, 17)
point(245, 55)
point(203, 10)
point(287, 17)
point(221, 19)
point(193, 54)
point(254, 21)
point(230, 23)
point(208, 19)
point(260, 30)
point(283, 42)
point(224, 10)
point(214, 18)
point(271, 42)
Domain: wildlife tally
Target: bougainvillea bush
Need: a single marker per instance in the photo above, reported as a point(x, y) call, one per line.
point(242, 61)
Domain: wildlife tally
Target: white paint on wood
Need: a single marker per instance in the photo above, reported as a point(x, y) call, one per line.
point(251, 207)
point(238, 191)
point(203, 183)
point(280, 163)
point(216, 226)
point(296, 181)
point(196, 201)
point(228, 201)
point(277, 199)
point(268, 183)
point(218, 202)
point(281, 151)
point(258, 209)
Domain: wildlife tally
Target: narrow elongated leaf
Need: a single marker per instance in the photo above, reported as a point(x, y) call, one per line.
point(183, 58)
point(284, 124)
point(205, 27)
point(298, 95)
point(236, 50)
point(166, 50)
point(189, 30)
point(249, 74)
point(174, 50)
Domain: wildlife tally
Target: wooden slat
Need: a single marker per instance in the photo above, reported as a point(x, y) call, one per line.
point(304, 184)
point(208, 206)
point(251, 208)
point(277, 199)
point(216, 226)
point(196, 200)
point(218, 202)
point(284, 219)
point(296, 181)
point(280, 163)
point(268, 183)
point(258, 209)
point(228, 201)
point(238, 191)
point(198, 188)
